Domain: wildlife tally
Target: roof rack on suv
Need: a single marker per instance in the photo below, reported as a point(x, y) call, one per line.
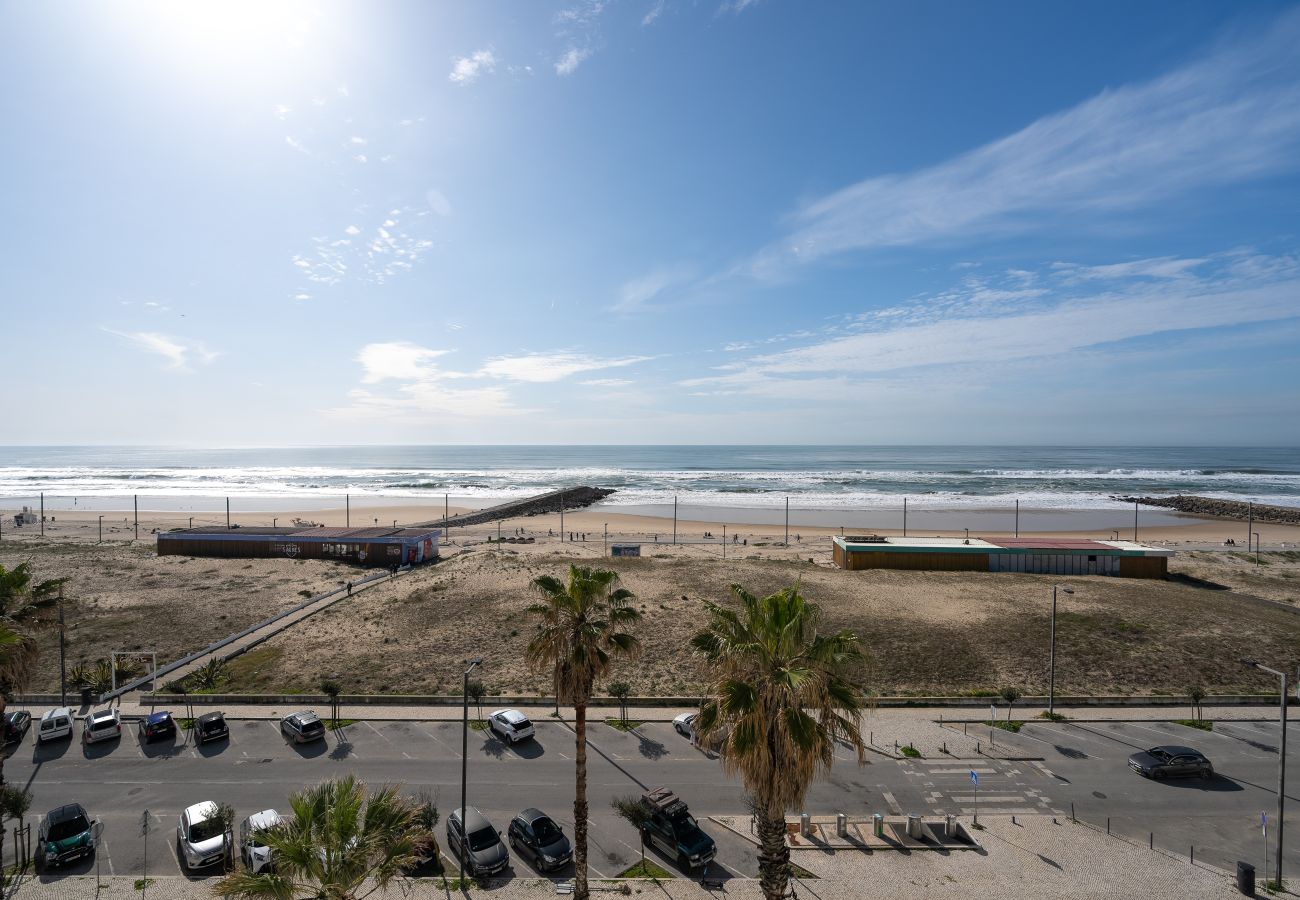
point(665, 801)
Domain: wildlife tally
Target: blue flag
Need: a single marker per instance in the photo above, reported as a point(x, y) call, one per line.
point(974, 778)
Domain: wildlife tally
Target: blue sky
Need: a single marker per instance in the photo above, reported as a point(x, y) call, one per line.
point(651, 222)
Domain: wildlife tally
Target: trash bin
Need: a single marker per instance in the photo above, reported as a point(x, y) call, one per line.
point(914, 827)
point(805, 824)
point(878, 825)
point(841, 825)
point(1246, 878)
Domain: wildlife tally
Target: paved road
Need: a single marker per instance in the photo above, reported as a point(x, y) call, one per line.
point(256, 769)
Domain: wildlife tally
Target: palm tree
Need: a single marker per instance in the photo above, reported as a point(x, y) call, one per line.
point(578, 637)
point(331, 689)
point(210, 675)
point(18, 655)
point(336, 840)
point(780, 695)
point(20, 599)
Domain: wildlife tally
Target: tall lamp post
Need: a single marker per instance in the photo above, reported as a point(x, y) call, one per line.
point(1281, 763)
point(1051, 678)
point(63, 670)
point(464, 758)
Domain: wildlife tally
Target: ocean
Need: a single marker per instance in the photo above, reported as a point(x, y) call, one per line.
point(737, 477)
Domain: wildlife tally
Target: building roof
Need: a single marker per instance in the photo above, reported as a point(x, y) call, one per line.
point(878, 544)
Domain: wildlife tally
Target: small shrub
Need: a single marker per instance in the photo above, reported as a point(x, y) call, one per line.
point(1195, 723)
point(910, 752)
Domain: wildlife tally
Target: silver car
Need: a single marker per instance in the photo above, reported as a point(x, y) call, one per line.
point(303, 727)
point(104, 725)
point(476, 843)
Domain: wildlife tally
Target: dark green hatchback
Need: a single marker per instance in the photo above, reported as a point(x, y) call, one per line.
point(66, 834)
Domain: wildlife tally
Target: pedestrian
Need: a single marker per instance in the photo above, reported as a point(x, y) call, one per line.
point(349, 589)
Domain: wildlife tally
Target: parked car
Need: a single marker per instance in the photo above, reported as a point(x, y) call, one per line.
point(512, 725)
point(303, 727)
point(16, 725)
point(55, 724)
point(684, 724)
point(66, 834)
point(482, 852)
point(1170, 761)
point(199, 836)
point(102, 725)
point(210, 727)
point(537, 838)
point(673, 830)
point(156, 725)
point(255, 854)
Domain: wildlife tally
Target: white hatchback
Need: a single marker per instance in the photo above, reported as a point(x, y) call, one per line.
point(104, 725)
point(199, 836)
point(511, 725)
point(252, 849)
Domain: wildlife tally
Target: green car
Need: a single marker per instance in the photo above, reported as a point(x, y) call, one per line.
point(66, 834)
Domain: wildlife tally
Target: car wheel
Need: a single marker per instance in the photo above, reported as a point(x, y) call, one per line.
point(1207, 772)
point(1157, 774)
point(684, 864)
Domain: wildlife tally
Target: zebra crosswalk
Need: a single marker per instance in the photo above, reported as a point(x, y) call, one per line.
point(1005, 788)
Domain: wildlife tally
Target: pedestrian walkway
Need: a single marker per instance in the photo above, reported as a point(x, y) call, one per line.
point(1003, 788)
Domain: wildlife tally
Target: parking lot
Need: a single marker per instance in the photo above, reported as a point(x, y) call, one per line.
point(1082, 764)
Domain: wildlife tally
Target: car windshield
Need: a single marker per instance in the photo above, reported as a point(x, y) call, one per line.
point(202, 831)
point(1158, 753)
point(102, 723)
point(521, 723)
point(483, 838)
point(70, 828)
point(256, 840)
point(547, 831)
point(685, 821)
point(313, 725)
point(212, 725)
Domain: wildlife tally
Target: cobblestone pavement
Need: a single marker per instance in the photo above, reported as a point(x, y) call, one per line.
point(1035, 857)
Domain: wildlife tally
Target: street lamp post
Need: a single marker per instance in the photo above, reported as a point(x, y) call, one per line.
point(1281, 764)
point(1051, 678)
point(1256, 548)
point(464, 759)
point(63, 671)
point(101, 529)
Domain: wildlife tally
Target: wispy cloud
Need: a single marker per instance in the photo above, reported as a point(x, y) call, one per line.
point(467, 69)
point(1230, 116)
point(607, 382)
point(735, 6)
point(545, 367)
point(639, 292)
point(962, 328)
point(422, 392)
point(568, 63)
point(179, 352)
point(653, 13)
point(392, 246)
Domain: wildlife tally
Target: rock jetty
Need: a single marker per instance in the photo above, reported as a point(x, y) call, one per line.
point(570, 498)
point(1222, 509)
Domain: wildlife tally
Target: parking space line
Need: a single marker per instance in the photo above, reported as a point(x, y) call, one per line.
point(378, 732)
point(439, 741)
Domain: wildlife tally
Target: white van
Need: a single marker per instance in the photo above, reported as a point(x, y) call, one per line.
point(55, 724)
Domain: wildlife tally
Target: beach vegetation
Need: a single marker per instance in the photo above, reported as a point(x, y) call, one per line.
point(337, 837)
point(209, 676)
point(780, 695)
point(583, 625)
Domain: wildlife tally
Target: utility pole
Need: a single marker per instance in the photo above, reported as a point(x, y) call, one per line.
point(42, 513)
point(724, 541)
point(63, 671)
point(227, 513)
point(674, 518)
point(135, 501)
point(347, 510)
point(101, 529)
point(904, 517)
point(787, 521)
point(1281, 765)
point(1250, 522)
point(1017, 518)
point(446, 517)
point(464, 760)
point(1135, 521)
point(604, 548)
point(561, 517)
point(1051, 678)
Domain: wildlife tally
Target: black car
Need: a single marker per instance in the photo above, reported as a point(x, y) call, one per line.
point(673, 830)
point(157, 725)
point(535, 836)
point(16, 725)
point(1170, 762)
point(210, 727)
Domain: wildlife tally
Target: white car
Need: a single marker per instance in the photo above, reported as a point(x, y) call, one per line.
point(685, 724)
point(56, 723)
point(199, 836)
point(103, 725)
point(255, 854)
point(511, 725)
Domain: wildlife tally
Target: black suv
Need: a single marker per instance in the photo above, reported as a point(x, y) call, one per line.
point(673, 830)
point(537, 838)
point(210, 727)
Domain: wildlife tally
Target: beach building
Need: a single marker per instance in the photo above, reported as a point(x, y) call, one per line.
point(364, 546)
point(1043, 556)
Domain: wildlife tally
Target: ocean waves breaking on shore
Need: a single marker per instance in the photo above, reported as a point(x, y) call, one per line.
point(812, 477)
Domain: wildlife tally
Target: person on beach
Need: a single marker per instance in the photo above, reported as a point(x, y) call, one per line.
point(349, 589)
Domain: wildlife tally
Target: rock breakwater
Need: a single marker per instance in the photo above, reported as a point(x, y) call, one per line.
point(1222, 509)
point(570, 498)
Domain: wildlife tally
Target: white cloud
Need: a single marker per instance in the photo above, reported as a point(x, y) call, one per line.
point(1231, 116)
point(438, 202)
point(398, 360)
point(302, 296)
point(359, 141)
point(282, 111)
point(607, 382)
point(179, 352)
point(735, 6)
point(467, 69)
point(638, 292)
point(546, 367)
point(295, 144)
point(572, 58)
point(653, 13)
point(352, 230)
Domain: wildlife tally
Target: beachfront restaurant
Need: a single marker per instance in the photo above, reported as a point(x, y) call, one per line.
point(1041, 556)
point(362, 546)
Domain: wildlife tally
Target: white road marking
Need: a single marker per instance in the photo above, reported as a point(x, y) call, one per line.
point(378, 732)
point(894, 808)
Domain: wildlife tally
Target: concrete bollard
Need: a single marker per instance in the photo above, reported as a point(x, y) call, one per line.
point(950, 826)
point(914, 827)
point(878, 825)
point(841, 825)
point(805, 824)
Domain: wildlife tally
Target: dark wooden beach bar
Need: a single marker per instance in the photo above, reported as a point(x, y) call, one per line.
point(363, 546)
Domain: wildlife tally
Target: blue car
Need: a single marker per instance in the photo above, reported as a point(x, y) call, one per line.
point(156, 725)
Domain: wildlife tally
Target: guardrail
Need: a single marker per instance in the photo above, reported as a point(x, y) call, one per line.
point(230, 639)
